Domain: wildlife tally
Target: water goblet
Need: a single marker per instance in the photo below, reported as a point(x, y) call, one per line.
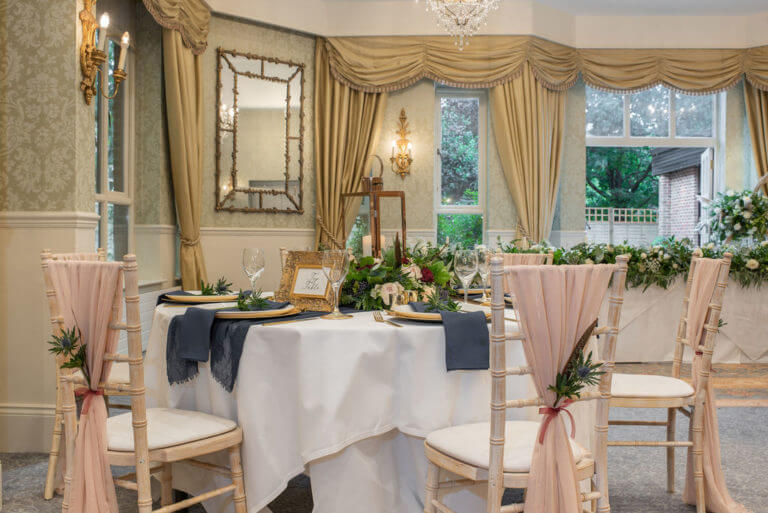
point(465, 265)
point(253, 265)
point(483, 269)
point(335, 265)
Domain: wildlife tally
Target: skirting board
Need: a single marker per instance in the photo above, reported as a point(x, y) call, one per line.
point(26, 427)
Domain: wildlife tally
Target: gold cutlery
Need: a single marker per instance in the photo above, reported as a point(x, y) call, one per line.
point(380, 318)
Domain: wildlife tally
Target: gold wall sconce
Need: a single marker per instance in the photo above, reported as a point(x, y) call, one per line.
point(92, 57)
point(402, 155)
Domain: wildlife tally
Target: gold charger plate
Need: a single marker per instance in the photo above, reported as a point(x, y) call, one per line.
point(257, 314)
point(182, 298)
point(425, 316)
point(471, 291)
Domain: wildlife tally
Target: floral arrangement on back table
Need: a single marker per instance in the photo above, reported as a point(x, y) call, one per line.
point(374, 283)
point(738, 215)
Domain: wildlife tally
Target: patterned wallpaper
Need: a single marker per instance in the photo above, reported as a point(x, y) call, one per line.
point(231, 34)
point(153, 190)
point(572, 196)
point(46, 154)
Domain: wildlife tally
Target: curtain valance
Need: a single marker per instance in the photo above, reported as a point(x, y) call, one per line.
point(378, 64)
point(190, 18)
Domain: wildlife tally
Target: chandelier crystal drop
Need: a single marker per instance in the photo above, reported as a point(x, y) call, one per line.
point(461, 18)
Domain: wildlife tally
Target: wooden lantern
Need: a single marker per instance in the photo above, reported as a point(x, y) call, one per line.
point(372, 187)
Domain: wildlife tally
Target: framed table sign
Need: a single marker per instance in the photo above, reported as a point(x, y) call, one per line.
point(303, 282)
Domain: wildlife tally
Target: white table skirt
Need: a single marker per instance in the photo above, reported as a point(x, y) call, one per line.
point(649, 324)
point(349, 402)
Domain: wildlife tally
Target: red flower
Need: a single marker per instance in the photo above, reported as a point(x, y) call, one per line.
point(426, 275)
point(405, 260)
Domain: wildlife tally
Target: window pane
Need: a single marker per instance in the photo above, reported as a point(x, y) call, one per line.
point(115, 174)
point(605, 113)
point(621, 177)
point(117, 231)
point(459, 151)
point(463, 229)
point(693, 115)
point(649, 113)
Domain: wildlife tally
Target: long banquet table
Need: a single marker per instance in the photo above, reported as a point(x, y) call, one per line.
point(348, 402)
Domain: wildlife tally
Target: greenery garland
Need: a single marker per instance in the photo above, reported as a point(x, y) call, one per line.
point(739, 215)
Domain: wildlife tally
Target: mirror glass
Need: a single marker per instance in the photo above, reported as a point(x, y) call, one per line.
point(259, 134)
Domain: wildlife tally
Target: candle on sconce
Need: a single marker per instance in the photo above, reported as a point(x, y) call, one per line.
point(394, 146)
point(124, 42)
point(103, 25)
point(410, 153)
point(368, 246)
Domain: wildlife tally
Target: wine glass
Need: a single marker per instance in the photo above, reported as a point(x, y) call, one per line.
point(335, 265)
point(483, 269)
point(253, 265)
point(465, 265)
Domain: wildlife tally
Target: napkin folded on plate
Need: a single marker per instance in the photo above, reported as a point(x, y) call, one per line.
point(467, 341)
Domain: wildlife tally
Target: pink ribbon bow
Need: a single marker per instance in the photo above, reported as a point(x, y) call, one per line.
point(553, 411)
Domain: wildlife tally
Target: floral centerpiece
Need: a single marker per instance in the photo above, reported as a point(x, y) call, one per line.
point(739, 215)
point(374, 283)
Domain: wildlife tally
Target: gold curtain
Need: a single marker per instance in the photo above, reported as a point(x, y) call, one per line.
point(347, 128)
point(184, 103)
point(189, 17)
point(757, 117)
point(528, 121)
point(377, 64)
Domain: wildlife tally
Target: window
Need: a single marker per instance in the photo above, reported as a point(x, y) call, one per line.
point(114, 161)
point(648, 157)
point(460, 167)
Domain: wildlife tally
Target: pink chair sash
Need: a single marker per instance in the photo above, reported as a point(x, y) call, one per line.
point(718, 500)
point(86, 291)
point(520, 259)
point(555, 305)
point(69, 257)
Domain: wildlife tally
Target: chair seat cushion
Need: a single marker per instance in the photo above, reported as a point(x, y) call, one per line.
point(119, 373)
point(470, 443)
point(166, 427)
point(641, 385)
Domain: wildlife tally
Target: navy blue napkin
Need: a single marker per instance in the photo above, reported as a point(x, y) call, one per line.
point(163, 298)
point(467, 341)
point(195, 331)
point(226, 339)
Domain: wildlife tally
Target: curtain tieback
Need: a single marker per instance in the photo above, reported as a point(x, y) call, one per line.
point(190, 242)
point(328, 233)
point(88, 395)
point(553, 411)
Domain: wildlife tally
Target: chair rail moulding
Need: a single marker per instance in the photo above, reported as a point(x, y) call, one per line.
point(45, 219)
point(379, 64)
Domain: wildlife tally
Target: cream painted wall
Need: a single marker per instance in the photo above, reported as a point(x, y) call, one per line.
point(232, 34)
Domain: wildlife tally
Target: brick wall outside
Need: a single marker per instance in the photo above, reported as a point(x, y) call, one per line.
point(678, 208)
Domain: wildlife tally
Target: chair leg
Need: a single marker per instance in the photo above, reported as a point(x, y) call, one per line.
point(53, 455)
point(593, 487)
point(69, 410)
point(698, 457)
point(166, 485)
point(671, 418)
point(236, 470)
point(433, 478)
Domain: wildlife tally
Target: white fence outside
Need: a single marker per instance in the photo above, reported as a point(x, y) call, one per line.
point(616, 225)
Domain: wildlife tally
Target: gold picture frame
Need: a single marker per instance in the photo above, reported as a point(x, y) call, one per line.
point(294, 264)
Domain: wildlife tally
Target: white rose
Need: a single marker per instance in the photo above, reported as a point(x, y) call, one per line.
point(589, 261)
point(737, 226)
point(674, 266)
point(711, 245)
point(643, 256)
point(413, 272)
point(376, 291)
point(747, 214)
point(764, 243)
point(389, 290)
point(752, 264)
point(667, 256)
point(698, 252)
point(730, 192)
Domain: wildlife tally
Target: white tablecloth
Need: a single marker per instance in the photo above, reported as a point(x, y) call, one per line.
point(349, 402)
point(649, 322)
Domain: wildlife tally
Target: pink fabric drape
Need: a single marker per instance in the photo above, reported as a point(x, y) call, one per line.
point(718, 500)
point(85, 292)
point(520, 259)
point(555, 304)
point(76, 256)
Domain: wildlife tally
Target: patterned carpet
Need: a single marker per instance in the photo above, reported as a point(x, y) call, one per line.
point(638, 475)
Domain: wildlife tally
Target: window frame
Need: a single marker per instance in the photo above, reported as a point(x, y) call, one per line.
point(105, 197)
point(482, 117)
point(672, 140)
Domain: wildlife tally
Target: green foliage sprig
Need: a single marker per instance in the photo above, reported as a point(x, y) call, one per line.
point(437, 303)
point(252, 301)
point(579, 373)
point(220, 288)
point(67, 345)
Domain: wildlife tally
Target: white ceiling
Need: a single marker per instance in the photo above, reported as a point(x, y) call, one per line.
point(580, 23)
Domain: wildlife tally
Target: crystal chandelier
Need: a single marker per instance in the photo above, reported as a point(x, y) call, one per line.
point(461, 18)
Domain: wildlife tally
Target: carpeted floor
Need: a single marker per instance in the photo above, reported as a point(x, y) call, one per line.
point(637, 475)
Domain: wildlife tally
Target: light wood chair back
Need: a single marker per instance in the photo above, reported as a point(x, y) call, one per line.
point(57, 324)
point(499, 373)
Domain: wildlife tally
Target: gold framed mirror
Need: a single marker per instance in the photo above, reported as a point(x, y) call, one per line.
point(259, 134)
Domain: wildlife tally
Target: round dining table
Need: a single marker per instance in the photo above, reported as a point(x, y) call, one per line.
point(348, 402)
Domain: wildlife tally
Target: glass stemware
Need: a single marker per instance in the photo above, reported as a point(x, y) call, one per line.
point(253, 265)
point(483, 269)
point(335, 267)
point(465, 265)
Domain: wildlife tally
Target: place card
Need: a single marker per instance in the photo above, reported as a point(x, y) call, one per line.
point(303, 282)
